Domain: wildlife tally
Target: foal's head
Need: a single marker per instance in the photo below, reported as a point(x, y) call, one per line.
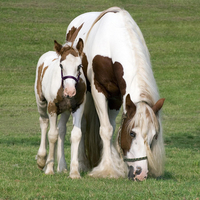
point(70, 64)
point(140, 128)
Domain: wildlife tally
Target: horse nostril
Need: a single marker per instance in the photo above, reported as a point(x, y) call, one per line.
point(138, 170)
point(130, 173)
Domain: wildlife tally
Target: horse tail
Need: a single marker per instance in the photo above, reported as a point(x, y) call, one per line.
point(93, 143)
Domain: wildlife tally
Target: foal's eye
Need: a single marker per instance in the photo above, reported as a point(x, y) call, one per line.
point(61, 66)
point(132, 134)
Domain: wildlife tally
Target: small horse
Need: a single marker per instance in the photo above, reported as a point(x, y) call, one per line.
point(60, 88)
point(117, 67)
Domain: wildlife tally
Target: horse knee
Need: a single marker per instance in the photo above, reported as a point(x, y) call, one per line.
point(106, 132)
point(76, 135)
point(53, 135)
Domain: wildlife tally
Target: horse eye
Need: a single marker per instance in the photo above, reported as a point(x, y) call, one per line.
point(61, 66)
point(132, 134)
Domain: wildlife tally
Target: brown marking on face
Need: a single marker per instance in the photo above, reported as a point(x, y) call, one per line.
point(71, 104)
point(65, 51)
point(41, 73)
point(109, 81)
point(126, 139)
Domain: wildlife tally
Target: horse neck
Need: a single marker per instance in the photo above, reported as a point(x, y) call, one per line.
point(140, 83)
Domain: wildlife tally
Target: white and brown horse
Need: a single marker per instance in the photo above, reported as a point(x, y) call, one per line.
point(60, 88)
point(117, 66)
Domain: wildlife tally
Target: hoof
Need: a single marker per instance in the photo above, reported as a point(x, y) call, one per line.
point(41, 161)
point(50, 172)
point(75, 175)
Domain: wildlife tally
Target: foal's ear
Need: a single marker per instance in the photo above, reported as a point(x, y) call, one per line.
point(130, 107)
point(57, 47)
point(158, 105)
point(80, 46)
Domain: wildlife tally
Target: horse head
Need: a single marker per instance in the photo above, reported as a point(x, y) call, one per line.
point(70, 64)
point(140, 128)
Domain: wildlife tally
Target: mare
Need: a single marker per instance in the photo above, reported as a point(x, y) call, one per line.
point(60, 88)
point(117, 67)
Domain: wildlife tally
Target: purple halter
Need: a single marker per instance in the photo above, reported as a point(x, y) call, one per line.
point(72, 77)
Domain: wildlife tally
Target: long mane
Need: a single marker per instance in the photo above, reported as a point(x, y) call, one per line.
point(147, 91)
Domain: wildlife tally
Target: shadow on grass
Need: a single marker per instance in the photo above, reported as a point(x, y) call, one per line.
point(187, 140)
point(34, 141)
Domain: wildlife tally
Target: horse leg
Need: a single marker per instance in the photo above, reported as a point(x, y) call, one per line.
point(84, 165)
point(44, 122)
point(75, 140)
point(106, 167)
point(52, 136)
point(62, 166)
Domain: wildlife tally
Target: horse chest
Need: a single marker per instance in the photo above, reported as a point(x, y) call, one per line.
point(71, 104)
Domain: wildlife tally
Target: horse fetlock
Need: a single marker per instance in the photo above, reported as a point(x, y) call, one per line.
point(106, 133)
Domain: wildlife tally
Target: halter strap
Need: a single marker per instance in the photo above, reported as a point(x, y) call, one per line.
point(72, 77)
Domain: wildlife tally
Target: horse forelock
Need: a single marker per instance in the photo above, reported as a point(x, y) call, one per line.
point(66, 50)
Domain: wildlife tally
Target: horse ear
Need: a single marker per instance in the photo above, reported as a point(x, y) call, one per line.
point(57, 47)
point(158, 105)
point(80, 46)
point(130, 107)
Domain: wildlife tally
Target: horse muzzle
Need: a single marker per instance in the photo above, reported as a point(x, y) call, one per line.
point(69, 92)
point(136, 175)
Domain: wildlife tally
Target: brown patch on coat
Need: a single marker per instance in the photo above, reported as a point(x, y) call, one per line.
point(108, 79)
point(52, 108)
point(85, 67)
point(71, 104)
point(54, 59)
point(71, 35)
point(41, 73)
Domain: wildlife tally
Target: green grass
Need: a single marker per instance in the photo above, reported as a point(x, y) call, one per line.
point(27, 29)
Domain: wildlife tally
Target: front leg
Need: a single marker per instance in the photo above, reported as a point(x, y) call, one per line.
point(52, 136)
point(107, 166)
point(76, 135)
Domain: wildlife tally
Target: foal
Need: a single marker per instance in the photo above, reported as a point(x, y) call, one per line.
point(60, 88)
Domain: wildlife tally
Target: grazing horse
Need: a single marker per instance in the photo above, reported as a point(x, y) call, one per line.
point(60, 88)
point(117, 67)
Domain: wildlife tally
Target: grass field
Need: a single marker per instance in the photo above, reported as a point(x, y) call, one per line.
point(172, 32)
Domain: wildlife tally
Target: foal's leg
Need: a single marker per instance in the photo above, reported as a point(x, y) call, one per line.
point(106, 167)
point(75, 140)
point(62, 166)
point(44, 122)
point(52, 135)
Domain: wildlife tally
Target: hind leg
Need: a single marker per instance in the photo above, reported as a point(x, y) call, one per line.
point(84, 165)
point(44, 122)
point(62, 166)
